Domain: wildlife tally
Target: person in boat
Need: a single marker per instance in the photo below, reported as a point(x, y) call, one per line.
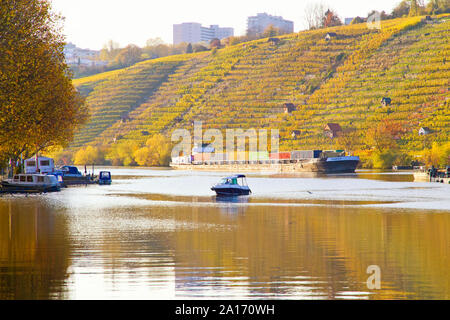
point(231, 186)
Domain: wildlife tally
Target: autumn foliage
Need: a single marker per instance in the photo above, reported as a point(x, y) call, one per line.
point(39, 107)
point(338, 80)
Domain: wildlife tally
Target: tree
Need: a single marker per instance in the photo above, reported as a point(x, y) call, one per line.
point(199, 48)
point(128, 56)
point(314, 13)
point(156, 152)
point(88, 156)
point(385, 135)
point(122, 153)
point(358, 20)
point(382, 15)
point(215, 43)
point(189, 48)
point(39, 107)
point(153, 42)
point(415, 6)
point(110, 50)
point(271, 31)
point(402, 9)
point(437, 155)
point(231, 41)
point(438, 6)
point(349, 140)
point(331, 19)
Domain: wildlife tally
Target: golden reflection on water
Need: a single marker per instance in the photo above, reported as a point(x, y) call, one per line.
point(222, 250)
point(34, 251)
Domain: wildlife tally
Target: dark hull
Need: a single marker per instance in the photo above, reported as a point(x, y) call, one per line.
point(74, 180)
point(226, 192)
point(316, 165)
point(9, 188)
point(344, 166)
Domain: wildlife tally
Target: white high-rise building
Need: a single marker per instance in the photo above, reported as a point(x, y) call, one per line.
point(258, 24)
point(192, 32)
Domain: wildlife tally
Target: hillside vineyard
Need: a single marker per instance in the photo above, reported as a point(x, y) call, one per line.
point(338, 80)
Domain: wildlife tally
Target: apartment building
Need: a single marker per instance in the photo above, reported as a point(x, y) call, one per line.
point(258, 24)
point(192, 32)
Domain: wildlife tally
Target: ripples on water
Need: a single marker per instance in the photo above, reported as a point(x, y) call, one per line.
point(160, 234)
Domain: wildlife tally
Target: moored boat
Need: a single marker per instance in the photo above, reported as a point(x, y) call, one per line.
point(30, 183)
point(104, 178)
point(232, 186)
point(72, 176)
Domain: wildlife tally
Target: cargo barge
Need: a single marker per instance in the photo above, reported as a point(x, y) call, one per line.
point(316, 161)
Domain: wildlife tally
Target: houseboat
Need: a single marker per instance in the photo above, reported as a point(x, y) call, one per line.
point(30, 183)
point(39, 165)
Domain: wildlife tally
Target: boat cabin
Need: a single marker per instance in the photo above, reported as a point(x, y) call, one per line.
point(104, 177)
point(70, 171)
point(235, 180)
point(45, 165)
point(232, 186)
point(34, 179)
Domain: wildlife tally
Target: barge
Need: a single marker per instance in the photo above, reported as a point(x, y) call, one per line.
point(316, 161)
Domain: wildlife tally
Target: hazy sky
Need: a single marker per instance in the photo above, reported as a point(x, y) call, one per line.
point(90, 23)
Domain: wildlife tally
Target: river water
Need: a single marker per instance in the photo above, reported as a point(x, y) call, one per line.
point(162, 234)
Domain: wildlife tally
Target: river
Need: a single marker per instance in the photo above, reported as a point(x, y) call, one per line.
point(162, 234)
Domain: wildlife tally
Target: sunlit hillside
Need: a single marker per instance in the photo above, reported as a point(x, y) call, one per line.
point(340, 80)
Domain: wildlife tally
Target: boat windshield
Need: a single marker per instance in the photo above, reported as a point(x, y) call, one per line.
point(105, 175)
point(229, 181)
point(243, 181)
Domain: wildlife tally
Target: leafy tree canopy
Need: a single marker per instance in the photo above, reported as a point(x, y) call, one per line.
point(39, 107)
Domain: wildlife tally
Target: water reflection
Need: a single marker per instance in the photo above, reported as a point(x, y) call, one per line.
point(91, 243)
point(34, 250)
point(317, 252)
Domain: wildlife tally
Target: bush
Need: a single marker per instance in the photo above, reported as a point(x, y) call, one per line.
point(384, 159)
point(122, 153)
point(88, 156)
point(155, 153)
point(437, 155)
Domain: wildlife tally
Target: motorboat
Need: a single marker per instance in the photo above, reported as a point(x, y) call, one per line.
point(71, 171)
point(31, 183)
point(232, 186)
point(72, 176)
point(104, 178)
